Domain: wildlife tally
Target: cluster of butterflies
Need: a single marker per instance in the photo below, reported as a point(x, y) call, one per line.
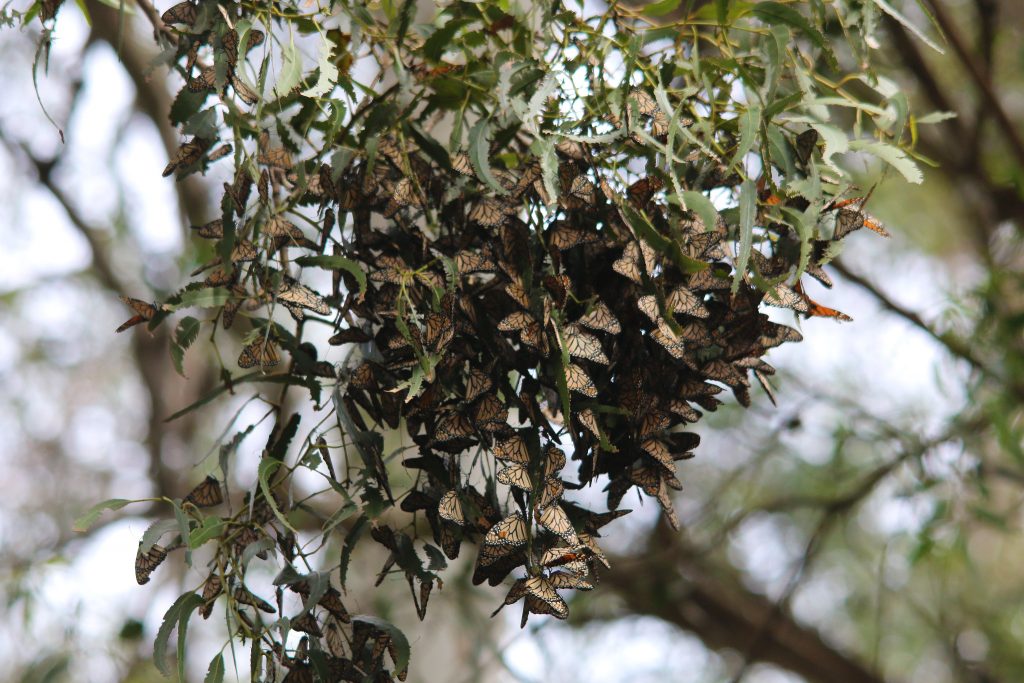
point(509, 332)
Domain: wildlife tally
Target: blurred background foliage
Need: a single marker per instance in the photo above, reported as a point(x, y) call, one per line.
point(866, 529)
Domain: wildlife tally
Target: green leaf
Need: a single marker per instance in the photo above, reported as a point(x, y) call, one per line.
point(935, 117)
point(545, 150)
point(267, 467)
point(177, 615)
point(184, 336)
point(480, 154)
point(331, 262)
point(215, 673)
point(909, 25)
point(328, 77)
point(661, 7)
point(661, 243)
point(441, 39)
point(401, 643)
point(702, 206)
point(749, 122)
point(291, 70)
point(351, 538)
point(748, 207)
point(207, 297)
point(83, 523)
point(893, 156)
point(155, 531)
point(211, 528)
point(773, 13)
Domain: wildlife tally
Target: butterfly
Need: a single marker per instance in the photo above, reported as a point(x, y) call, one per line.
point(601, 318)
point(642, 191)
point(589, 421)
point(474, 262)
point(555, 460)
point(144, 312)
point(582, 189)
point(552, 491)
point(582, 345)
point(296, 295)
point(491, 415)
point(450, 508)
point(351, 335)
point(477, 384)
point(461, 164)
point(451, 427)
point(440, 331)
point(512, 450)
point(509, 532)
point(554, 519)
point(187, 155)
point(516, 476)
point(245, 597)
point(668, 340)
point(146, 563)
point(657, 450)
point(785, 297)
point(578, 380)
point(207, 494)
point(206, 80)
point(277, 157)
point(805, 144)
point(488, 212)
point(816, 310)
point(541, 589)
point(519, 320)
point(247, 94)
point(182, 13)
point(682, 300)
point(564, 237)
point(214, 230)
point(628, 264)
point(517, 290)
point(212, 588)
point(561, 580)
point(261, 352)
point(648, 305)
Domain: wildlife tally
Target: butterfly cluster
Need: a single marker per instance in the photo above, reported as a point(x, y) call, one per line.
point(535, 323)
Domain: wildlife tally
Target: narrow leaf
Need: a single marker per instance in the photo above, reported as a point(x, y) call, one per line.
point(748, 206)
point(83, 523)
point(480, 154)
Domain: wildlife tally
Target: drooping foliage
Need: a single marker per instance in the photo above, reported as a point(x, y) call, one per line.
point(535, 241)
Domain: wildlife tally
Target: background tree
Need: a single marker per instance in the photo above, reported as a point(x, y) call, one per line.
point(800, 502)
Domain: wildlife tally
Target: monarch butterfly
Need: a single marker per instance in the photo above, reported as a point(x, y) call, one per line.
point(182, 13)
point(657, 450)
point(816, 310)
point(451, 427)
point(520, 320)
point(247, 94)
point(295, 293)
point(263, 187)
point(212, 588)
point(515, 475)
point(446, 538)
point(461, 164)
point(278, 226)
point(512, 450)
point(144, 312)
point(583, 345)
point(552, 490)
point(363, 377)
point(644, 103)
point(708, 279)
point(784, 297)
point(187, 155)
point(540, 588)
point(206, 80)
point(207, 494)
point(682, 300)
point(562, 580)
point(628, 264)
point(707, 245)
point(601, 318)
point(306, 624)
point(762, 379)
point(245, 597)
point(555, 460)
point(564, 237)
point(517, 290)
point(474, 262)
point(450, 508)
point(683, 410)
point(272, 156)
point(589, 421)
point(648, 305)
point(554, 519)
point(477, 384)
point(351, 335)
point(588, 541)
point(805, 143)
point(654, 421)
point(491, 414)
point(669, 341)
point(440, 331)
point(642, 191)
point(334, 637)
point(261, 352)
point(488, 212)
point(516, 593)
point(582, 189)
point(147, 562)
point(404, 193)
point(578, 380)
point(724, 371)
point(509, 532)
point(219, 153)
point(774, 334)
